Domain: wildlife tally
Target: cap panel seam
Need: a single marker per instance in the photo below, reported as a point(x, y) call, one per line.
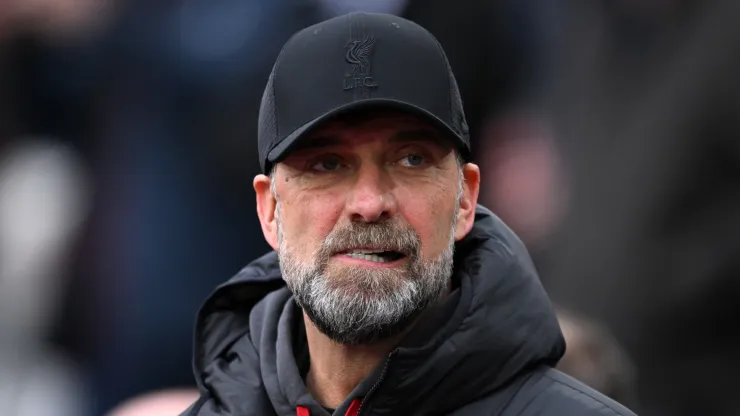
point(274, 98)
point(449, 80)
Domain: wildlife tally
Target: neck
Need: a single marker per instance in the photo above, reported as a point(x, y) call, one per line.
point(337, 369)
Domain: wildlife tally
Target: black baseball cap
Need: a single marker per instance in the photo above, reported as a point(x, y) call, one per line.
point(355, 62)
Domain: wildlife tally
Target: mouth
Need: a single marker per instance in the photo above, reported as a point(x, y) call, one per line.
point(374, 255)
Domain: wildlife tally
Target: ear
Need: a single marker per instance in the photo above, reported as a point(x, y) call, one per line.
point(266, 206)
point(469, 200)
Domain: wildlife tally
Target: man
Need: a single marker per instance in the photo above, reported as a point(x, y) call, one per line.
point(389, 292)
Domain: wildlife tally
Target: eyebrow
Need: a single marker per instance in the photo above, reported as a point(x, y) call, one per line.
point(411, 135)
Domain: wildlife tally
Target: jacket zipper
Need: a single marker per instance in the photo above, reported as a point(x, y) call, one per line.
point(377, 383)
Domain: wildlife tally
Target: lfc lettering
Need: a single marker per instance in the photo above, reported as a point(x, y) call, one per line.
point(355, 82)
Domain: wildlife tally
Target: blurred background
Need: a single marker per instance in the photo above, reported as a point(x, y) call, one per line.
point(607, 132)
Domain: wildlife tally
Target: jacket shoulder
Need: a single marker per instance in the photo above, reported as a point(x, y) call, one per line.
point(550, 392)
point(546, 392)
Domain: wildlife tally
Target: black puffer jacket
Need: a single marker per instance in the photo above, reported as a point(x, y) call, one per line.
point(487, 350)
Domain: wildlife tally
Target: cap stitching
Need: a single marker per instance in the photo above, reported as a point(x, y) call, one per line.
point(274, 109)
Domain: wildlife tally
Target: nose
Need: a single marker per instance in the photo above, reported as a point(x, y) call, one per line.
point(371, 199)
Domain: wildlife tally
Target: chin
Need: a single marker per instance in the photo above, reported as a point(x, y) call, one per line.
point(367, 337)
point(361, 331)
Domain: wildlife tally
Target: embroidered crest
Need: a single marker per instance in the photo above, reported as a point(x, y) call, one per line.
point(358, 54)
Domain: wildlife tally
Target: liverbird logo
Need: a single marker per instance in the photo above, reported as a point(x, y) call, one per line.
point(358, 54)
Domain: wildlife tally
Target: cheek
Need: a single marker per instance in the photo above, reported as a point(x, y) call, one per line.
point(308, 219)
point(430, 214)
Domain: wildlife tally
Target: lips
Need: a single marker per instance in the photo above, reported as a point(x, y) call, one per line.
point(374, 255)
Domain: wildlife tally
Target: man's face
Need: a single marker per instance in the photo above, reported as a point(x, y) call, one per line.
point(366, 214)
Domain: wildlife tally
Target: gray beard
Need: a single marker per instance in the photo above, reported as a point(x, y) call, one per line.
point(353, 305)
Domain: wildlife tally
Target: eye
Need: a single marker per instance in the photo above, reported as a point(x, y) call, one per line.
point(413, 160)
point(327, 165)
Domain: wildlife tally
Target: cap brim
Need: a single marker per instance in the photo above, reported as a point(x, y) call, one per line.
point(284, 147)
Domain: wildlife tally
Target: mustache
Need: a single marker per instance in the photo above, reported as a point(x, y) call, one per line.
point(381, 236)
